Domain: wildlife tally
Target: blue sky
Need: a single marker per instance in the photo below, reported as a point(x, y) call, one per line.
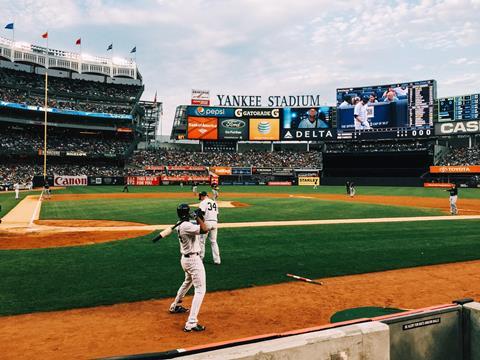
point(267, 47)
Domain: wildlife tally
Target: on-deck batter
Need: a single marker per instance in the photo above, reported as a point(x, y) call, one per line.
point(192, 265)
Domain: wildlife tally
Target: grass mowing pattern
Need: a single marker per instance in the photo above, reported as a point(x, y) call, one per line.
point(162, 211)
point(131, 270)
point(361, 190)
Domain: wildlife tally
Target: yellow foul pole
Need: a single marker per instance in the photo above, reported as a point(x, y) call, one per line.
point(45, 119)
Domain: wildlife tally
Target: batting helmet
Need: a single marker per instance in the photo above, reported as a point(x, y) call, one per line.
point(183, 211)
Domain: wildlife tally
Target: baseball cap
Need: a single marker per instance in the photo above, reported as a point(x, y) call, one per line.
point(203, 193)
point(365, 97)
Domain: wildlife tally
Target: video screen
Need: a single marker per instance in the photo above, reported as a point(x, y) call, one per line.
point(308, 118)
point(404, 105)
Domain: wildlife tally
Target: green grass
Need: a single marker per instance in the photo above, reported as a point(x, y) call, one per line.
point(163, 211)
point(131, 270)
point(361, 190)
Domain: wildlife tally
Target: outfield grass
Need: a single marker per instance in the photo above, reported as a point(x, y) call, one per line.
point(131, 270)
point(163, 211)
point(361, 190)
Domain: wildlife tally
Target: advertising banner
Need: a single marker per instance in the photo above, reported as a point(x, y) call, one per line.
point(279, 183)
point(308, 180)
point(283, 171)
point(60, 180)
point(106, 180)
point(309, 134)
point(457, 127)
point(264, 129)
point(241, 171)
point(222, 170)
point(455, 169)
point(202, 128)
point(210, 111)
point(200, 97)
point(264, 171)
point(437, 185)
point(235, 129)
point(143, 180)
point(186, 168)
point(154, 168)
point(184, 178)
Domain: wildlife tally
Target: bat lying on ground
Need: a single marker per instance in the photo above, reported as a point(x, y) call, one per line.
point(305, 279)
point(166, 232)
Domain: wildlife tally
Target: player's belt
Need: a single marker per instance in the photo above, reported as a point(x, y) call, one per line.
point(211, 220)
point(189, 254)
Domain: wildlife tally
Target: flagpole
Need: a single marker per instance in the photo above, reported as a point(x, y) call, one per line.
point(45, 119)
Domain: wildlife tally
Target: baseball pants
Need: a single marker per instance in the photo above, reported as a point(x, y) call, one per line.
point(194, 275)
point(453, 205)
point(212, 235)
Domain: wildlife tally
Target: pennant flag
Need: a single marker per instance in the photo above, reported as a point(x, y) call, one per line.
point(134, 50)
point(45, 36)
point(110, 47)
point(9, 26)
point(155, 98)
point(79, 41)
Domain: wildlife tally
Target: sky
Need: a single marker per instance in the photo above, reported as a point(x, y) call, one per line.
point(265, 47)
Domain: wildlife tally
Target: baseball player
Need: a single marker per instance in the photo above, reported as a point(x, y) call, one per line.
point(352, 189)
point(210, 210)
point(347, 186)
point(46, 190)
point(17, 190)
point(453, 199)
point(192, 265)
point(360, 117)
point(315, 184)
point(195, 189)
point(215, 192)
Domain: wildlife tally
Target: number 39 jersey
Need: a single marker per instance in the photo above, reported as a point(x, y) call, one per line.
point(210, 208)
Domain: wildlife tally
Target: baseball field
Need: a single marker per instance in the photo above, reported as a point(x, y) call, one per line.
point(80, 277)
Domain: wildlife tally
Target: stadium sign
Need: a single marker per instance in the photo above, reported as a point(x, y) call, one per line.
point(210, 111)
point(234, 129)
point(81, 180)
point(257, 113)
point(271, 101)
point(457, 127)
point(308, 134)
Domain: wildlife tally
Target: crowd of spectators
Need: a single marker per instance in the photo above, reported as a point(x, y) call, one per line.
point(80, 95)
point(286, 159)
point(11, 173)
point(352, 147)
point(462, 156)
point(21, 140)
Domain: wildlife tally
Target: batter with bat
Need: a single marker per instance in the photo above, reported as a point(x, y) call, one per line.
point(191, 263)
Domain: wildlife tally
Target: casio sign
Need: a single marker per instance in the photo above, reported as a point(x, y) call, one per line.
point(233, 123)
point(460, 127)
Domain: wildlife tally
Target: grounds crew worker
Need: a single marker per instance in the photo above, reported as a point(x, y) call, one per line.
point(192, 265)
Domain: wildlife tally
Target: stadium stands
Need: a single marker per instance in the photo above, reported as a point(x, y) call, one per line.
point(80, 95)
point(462, 156)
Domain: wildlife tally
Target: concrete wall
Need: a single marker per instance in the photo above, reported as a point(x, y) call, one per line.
point(471, 331)
point(353, 342)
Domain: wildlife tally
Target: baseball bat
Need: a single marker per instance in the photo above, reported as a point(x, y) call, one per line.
point(166, 232)
point(305, 279)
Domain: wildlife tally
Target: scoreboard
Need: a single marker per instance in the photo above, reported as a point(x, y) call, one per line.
point(421, 98)
point(460, 108)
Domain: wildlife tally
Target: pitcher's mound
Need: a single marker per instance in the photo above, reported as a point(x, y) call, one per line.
point(226, 204)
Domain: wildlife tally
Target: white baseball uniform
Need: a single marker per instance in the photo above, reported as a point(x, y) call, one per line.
point(194, 271)
point(360, 111)
point(17, 190)
point(215, 194)
point(210, 208)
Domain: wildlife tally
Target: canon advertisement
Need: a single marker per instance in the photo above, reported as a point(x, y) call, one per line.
point(81, 180)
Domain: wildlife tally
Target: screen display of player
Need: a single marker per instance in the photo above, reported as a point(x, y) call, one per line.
point(308, 118)
point(459, 108)
point(407, 105)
